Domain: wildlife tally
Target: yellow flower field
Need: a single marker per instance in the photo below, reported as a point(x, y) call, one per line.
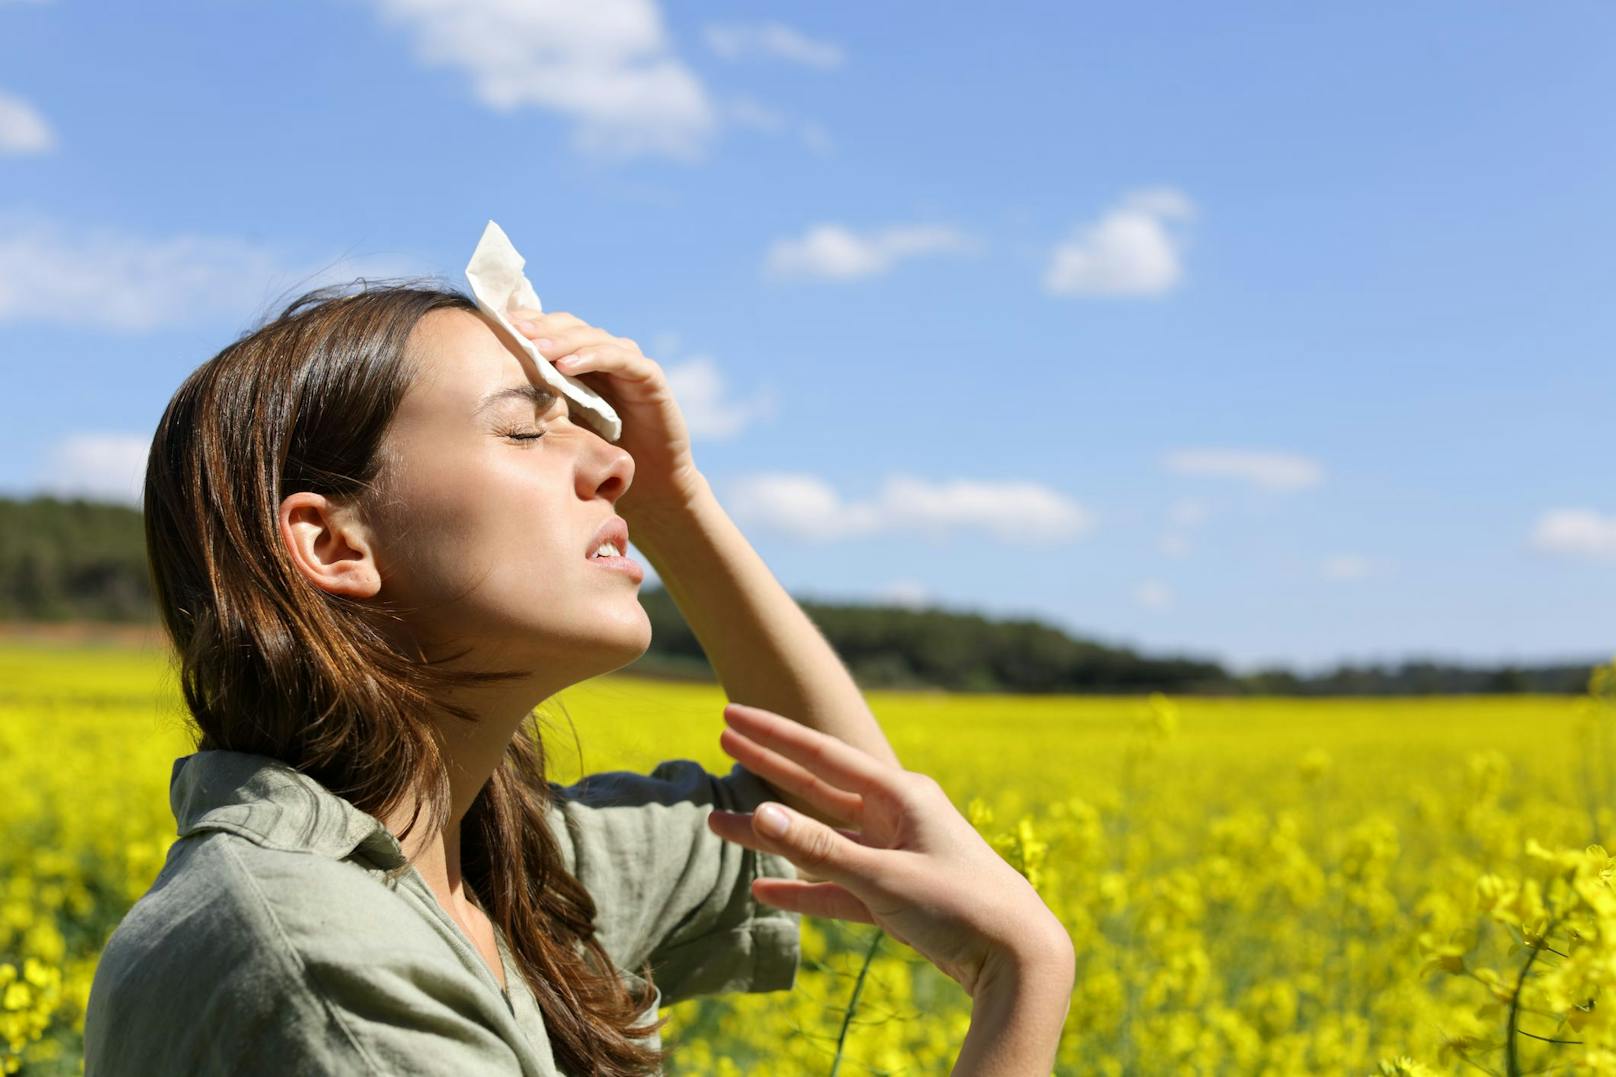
point(1262, 886)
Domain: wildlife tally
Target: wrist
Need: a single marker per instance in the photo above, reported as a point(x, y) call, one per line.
point(1044, 967)
point(1018, 1011)
point(648, 513)
point(1043, 960)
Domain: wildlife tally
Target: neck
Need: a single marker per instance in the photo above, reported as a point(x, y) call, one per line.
point(471, 754)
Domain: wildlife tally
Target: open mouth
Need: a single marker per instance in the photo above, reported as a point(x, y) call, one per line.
point(610, 548)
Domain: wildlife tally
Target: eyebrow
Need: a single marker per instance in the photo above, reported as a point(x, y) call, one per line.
point(539, 396)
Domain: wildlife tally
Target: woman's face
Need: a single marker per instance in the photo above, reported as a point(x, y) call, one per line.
point(486, 536)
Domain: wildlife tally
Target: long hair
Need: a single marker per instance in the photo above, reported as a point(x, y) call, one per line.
point(270, 663)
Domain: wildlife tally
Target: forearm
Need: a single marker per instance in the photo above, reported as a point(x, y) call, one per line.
point(765, 650)
point(1016, 1019)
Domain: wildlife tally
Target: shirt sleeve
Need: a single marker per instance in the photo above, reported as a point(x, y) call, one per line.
point(669, 890)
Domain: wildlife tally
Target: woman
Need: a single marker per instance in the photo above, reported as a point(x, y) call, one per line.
point(373, 533)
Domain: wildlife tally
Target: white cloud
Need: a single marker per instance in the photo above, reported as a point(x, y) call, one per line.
point(1270, 470)
point(911, 594)
point(121, 281)
point(746, 112)
point(711, 415)
point(1022, 513)
point(1153, 594)
point(1174, 545)
point(1575, 533)
point(816, 138)
point(22, 129)
point(832, 251)
point(805, 506)
point(1347, 566)
point(735, 41)
point(1159, 202)
point(608, 65)
point(1128, 251)
point(1184, 515)
point(98, 466)
point(1187, 512)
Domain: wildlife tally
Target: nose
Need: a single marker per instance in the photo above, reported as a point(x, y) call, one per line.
point(607, 472)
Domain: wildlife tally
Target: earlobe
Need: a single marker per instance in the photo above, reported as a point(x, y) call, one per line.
point(328, 545)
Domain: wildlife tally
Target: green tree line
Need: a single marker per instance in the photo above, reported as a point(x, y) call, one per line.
point(72, 560)
point(65, 560)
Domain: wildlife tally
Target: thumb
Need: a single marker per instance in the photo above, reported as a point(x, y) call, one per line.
point(810, 844)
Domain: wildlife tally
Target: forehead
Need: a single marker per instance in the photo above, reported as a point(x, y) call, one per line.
point(461, 356)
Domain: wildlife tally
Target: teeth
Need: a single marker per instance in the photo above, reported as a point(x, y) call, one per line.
point(608, 550)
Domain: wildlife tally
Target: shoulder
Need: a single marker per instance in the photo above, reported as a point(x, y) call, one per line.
point(199, 966)
point(222, 894)
point(204, 903)
point(242, 956)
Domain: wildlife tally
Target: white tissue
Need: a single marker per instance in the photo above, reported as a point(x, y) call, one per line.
point(498, 286)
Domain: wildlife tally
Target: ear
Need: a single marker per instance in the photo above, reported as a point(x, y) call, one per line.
point(329, 545)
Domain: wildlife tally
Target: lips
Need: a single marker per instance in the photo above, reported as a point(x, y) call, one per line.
point(615, 531)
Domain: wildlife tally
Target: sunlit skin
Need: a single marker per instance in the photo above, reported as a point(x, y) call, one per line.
point(484, 539)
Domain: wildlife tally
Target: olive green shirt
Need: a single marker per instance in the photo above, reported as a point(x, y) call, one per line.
point(271, 943)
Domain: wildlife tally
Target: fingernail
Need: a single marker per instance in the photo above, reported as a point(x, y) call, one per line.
point(544, 342)
point(525, 325)
point(771, 820)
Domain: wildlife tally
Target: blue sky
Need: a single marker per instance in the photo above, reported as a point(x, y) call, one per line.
point(1259, 332)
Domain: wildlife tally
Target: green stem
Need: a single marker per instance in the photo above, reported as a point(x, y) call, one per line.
point(852, 1003)
point(1512, 1066)
point(1545, 1039)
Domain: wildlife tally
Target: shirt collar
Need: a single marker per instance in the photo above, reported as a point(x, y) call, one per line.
point(274, 805)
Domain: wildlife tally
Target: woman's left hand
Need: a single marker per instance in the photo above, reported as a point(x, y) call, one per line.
point(654, 431)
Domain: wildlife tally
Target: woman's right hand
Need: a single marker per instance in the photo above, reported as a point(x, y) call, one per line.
point(908, 861)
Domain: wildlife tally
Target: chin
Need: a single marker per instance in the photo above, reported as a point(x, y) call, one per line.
point(631, 638)
point(614, 655)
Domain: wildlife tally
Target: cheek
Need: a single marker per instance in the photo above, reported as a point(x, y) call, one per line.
point(482, 525)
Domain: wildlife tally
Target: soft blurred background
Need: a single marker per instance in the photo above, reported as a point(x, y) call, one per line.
point(1073, 365)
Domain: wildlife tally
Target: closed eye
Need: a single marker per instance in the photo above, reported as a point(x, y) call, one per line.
point(518, 433)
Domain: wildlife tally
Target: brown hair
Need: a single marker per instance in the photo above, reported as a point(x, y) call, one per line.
point(270, 663)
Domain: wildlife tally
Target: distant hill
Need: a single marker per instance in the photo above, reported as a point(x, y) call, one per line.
point(72, 560)
point(895, 647)
point(76, 560)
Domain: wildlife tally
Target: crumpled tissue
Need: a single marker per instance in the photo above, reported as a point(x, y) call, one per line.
point(499, 287)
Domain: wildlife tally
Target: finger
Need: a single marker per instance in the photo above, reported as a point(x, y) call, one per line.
point(607, 358)
point(808, 843)
point(783, 774)
point(832, 900)
point(552, 319)
point(554, 343)
point(740, 823)
point(533, 323)
point(820, 753)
